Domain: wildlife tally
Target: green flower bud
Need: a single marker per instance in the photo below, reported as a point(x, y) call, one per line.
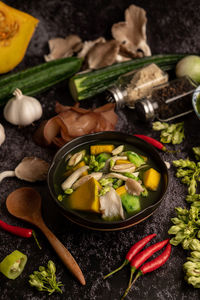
point(195, 281)
point(184, 163)
point(196, 204)
point(181, 211)
point(192, 187)
point(195, 245)
point(195, 254)
point(182, 173)
point(174, 229)
point(191, 198)
point(51, 266)
point(159, 126)
point(175, 242)
point(41, 268)
point(35, 282)
point(106, 181)
point(176, 221)
point(193, 213)
point(188, 265)
point(186, 243)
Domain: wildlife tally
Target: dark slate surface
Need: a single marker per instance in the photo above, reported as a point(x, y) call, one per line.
point(173, 26)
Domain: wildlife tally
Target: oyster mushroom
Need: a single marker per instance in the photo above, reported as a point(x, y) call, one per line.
point(80, 181)
point(131, 34)
point(30, 169)
point(124, 168)
point(133, 187)
point(67, 184)
point(111, 205)
point(102, 54)
point(87, 46)
point(63, 47)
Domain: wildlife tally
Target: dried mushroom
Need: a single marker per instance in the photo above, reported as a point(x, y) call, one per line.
point(102, 54)
point(29, 169)
point(131, 34)
point(63, 47)
point(88, 45)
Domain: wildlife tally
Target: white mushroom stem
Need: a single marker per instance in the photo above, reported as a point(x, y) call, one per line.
point(80, 181)
point(67, 184)
point(116, 175)
point(2, 134)
point(114, 159)
point(118, 150)
point(7, 174)
point(123, 168)
point(76, 158)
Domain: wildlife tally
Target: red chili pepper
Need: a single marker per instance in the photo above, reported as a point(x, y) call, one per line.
point(19, 231)
point(151, 266)
point(152, 141)
point(132, 252)
point(141, 257)
point(23, 232)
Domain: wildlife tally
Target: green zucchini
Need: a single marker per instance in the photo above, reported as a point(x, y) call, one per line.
point(87, 84)
point(39, 78)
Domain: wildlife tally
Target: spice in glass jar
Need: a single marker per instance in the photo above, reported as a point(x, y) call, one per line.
point(136, 84)
point(168, 101)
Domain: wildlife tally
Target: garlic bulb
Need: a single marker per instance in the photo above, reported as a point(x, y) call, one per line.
point(22, 110)
point(2, 135)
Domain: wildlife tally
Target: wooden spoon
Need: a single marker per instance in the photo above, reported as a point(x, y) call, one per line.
point(25, 203)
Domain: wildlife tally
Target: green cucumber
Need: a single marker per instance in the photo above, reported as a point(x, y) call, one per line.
point(87, 84)
point(39, 78)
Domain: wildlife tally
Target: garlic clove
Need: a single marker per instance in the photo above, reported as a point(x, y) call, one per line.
point(22, 110)
point(32, 169)
point(2, 134)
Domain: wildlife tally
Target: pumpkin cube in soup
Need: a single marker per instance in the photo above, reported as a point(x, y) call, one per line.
point(122, 162)
point(86, 197)
point(121, 190)
point(151, 179)
point(97, 149)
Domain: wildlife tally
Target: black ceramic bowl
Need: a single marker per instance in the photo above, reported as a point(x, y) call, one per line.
point(90, 220)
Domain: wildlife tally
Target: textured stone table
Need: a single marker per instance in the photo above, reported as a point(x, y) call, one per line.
point(173, 26)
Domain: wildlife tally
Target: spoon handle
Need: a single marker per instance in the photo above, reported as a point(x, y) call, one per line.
point(63, 253)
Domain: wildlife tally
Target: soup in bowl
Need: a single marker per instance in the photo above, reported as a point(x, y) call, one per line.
point(107, 180)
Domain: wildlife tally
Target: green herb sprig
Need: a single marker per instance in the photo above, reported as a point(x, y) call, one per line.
point(196, 151)
point(45, 279)
point(189, 172)
point(170, 133)
point(192, 266)
point(186, 226)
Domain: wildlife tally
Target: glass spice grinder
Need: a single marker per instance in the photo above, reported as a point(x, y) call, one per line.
point(135, 85)
point(167, 101)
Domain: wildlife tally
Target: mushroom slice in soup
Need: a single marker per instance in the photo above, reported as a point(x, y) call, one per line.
point(134, 187)
point(111, 206)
